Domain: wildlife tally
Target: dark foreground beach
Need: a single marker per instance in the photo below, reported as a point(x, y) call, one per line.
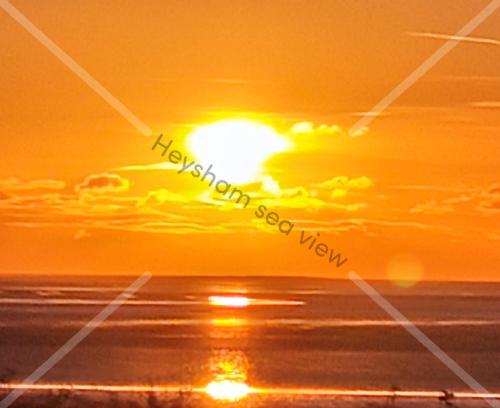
point(196, 400)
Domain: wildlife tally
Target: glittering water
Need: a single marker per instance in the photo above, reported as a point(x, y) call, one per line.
point(289, 332)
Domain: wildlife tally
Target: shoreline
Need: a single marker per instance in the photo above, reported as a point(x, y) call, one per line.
point(271, 391)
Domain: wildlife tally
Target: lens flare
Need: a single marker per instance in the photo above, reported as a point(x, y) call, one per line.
point(405, 270)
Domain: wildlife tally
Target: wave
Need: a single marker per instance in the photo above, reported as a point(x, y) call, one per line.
point(272, 323)
point(145, 302)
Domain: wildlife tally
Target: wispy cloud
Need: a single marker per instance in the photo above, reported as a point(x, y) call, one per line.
point(368, 227)
point(431, 207)
point(14, 184)
point(487, 201)
point(150, 167)
point(448, 37)
point(486, 104)
point(321, 129)
point(464, 78)
point(423, 187)
point(309, 128)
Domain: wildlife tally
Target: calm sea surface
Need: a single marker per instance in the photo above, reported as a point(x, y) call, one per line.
point(294, 332)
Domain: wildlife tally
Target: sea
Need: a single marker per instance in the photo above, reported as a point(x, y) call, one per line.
point(268, 332)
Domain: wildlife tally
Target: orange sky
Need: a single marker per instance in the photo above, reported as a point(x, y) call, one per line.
point(419, 190)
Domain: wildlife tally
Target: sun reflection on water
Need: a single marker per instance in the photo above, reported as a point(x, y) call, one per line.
point(229, 301)
point(229, 322)
point(227, 390)
point(229, 369)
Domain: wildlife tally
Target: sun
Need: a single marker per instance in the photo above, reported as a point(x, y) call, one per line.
point(237, 149)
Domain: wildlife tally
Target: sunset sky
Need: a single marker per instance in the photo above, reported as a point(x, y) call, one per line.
point(82, 192)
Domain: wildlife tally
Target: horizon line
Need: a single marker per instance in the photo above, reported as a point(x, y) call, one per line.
point(160, 275)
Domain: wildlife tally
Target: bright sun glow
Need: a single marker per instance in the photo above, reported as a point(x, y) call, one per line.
point(229, 301)
point(237, 149)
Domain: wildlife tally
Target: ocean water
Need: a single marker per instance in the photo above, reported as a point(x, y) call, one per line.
point(295, 332)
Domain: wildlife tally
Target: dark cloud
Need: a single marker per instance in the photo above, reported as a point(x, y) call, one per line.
point(4, 195)
point(490, 200)
point(103, 183)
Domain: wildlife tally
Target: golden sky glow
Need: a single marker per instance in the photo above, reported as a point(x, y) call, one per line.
point(265, 96)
